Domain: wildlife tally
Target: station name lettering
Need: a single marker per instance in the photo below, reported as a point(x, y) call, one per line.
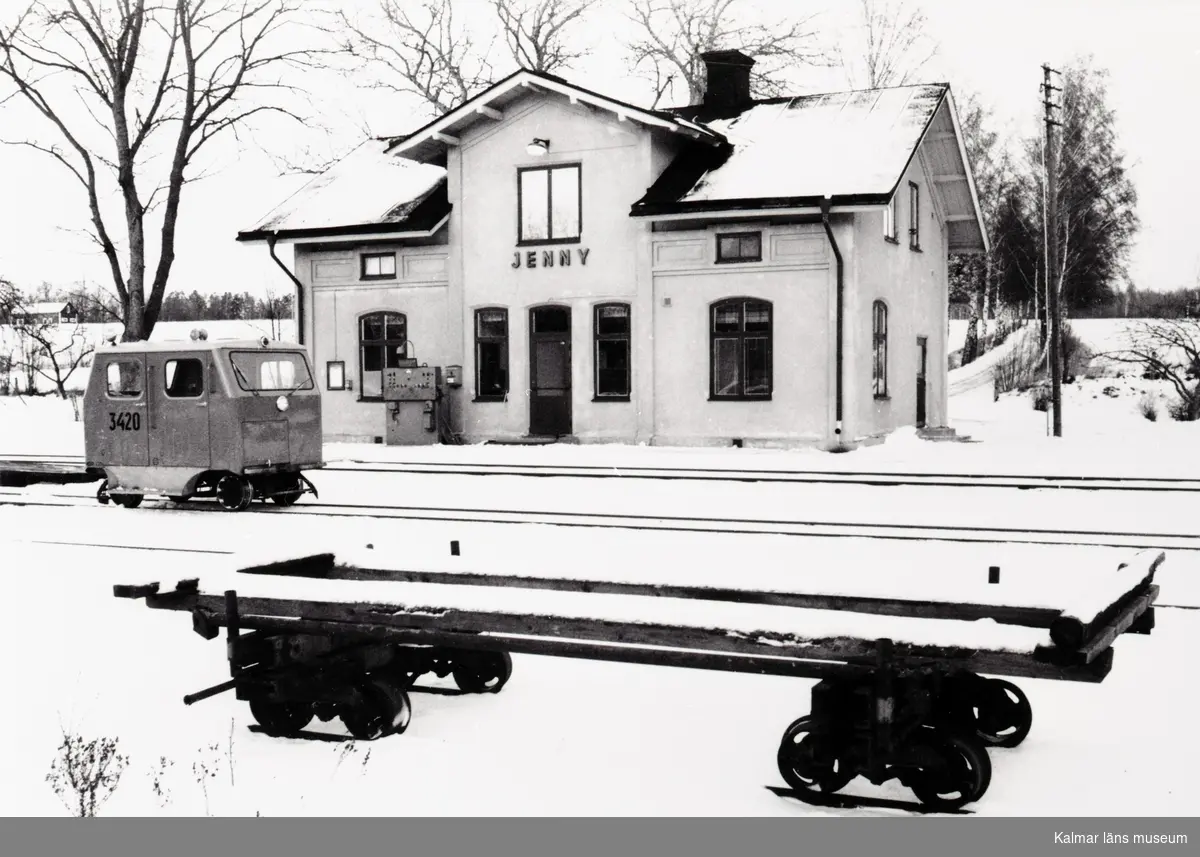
point(1106, 838)
point(548, 258)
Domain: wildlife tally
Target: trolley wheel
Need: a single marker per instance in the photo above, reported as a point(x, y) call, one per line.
point(128, 501)
point(290, 494)
point(102, 494)
point(281, 718)
point(383, 709)
point(234, 493)
point(957, 771)
point(805, 767)
point(1003, 715)
point(482, 672)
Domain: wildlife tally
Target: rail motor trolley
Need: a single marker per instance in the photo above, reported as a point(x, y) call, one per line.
point(231, 419)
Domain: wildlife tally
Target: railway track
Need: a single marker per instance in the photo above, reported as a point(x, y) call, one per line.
point(1059, 482)
point(675, 523)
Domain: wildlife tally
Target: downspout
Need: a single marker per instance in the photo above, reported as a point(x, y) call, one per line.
point(837, 254)
point(299, 290)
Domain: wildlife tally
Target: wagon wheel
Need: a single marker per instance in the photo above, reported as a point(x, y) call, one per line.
point(290, 494)
point(281, 718)
point(102, 494)
point(234, 493)
point(129, 501)
point(1003, 715)
point(482, 672)
point(955, 771)
point(382, 709)
point(806, 763)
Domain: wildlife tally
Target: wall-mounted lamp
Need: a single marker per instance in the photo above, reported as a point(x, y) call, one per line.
point(538, 146)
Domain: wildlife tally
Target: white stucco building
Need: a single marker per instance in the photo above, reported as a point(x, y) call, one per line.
point(765, 273)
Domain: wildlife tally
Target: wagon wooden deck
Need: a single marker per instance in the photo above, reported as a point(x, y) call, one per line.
point(902, 690)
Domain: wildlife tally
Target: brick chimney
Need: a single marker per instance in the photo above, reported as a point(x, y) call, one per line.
point(727, 82)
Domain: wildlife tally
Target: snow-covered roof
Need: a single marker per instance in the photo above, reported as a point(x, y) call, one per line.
point(367, 191)
point(853, 147)
point(41, 308)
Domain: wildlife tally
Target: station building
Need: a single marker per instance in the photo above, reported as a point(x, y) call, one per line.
point(739, 271)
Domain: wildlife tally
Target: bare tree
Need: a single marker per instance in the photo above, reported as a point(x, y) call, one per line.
point(1167, 348)
point(8, 299)
point(425, 50)
point(672, 34)
point(537, 31)
point(53, 352)
point(127, 86)
point(890, 46)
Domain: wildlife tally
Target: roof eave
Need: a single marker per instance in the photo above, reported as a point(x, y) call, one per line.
point(794, 204)
point(962, 151)
point(436, 132)
point(356, 232)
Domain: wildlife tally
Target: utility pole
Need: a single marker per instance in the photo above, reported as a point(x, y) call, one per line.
point(1052, 283)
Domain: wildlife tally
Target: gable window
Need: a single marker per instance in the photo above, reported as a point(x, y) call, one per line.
point(914, 216)
point(491, 354)
point(740, 349)
point(891, 218)
point(611, 323)
point(879, 321)
point(378, 266)
point(549, 204)
point(739, 247)
point(382, 344)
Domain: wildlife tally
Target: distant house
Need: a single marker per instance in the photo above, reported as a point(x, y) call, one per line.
point(48, 312)
point(767, 272)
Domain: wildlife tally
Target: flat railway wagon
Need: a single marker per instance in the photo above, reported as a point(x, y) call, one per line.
point(915, 689)
point(236, 420)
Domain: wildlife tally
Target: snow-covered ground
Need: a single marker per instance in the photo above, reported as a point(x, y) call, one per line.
point(569, 737)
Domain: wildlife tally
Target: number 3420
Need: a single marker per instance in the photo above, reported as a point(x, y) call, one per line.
point(124, 421)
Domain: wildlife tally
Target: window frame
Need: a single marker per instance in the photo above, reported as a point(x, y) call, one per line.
point(166, 382)
point(548, 169)
point(914, 216)
point(310, 384)
point(879, 341)
point(739, 259)
point(598, 337)
point(362, 269)
point(117, 397)
point(504, 343)
point(741, 336)
point(329, 364)
point(891, 220)
point(377, 343)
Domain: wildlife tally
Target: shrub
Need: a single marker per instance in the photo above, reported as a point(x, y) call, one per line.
point(1148, 407)
point(1182, 410)
point(1041, 397)
point(85, 773)
point(1019, 368)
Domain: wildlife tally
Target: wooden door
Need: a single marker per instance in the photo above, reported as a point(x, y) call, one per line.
point(922, 355)
point(550, 371)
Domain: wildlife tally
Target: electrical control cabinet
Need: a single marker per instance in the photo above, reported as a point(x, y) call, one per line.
point(412, 384)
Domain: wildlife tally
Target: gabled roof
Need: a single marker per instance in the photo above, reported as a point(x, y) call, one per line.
point(431, 141)
point(41, 308)
point(791, 153)
point(367, 192)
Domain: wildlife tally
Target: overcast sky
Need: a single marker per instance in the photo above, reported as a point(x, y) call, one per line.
point(996, 49)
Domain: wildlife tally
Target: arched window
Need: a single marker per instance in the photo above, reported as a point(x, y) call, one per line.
point(879, 322)
point(382, 344)
point(740, 353)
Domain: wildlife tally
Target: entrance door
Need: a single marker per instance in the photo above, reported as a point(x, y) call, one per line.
point(178, 386)
point(550, 371)
point(122, 420)
point(922, 353)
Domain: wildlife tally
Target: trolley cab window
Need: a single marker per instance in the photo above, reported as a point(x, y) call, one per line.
point(184, 379)
point(267, 371)
point(124, 379)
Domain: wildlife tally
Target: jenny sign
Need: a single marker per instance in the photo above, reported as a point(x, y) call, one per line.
point(530, 258)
